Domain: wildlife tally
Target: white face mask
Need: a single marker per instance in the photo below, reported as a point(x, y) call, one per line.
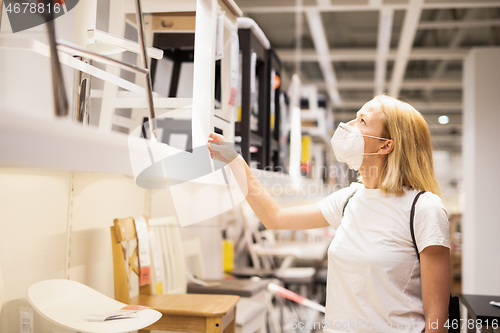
point(349, 146)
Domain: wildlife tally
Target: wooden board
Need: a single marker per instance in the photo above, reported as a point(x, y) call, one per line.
point(184, 21)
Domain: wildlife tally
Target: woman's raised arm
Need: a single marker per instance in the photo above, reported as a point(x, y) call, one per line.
point(264, 206)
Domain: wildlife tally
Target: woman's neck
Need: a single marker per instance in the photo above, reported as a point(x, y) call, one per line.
point(370, 175)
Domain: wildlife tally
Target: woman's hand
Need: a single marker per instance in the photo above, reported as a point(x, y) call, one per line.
point(220, 149)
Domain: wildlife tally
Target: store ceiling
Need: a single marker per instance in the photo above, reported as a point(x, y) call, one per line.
point(353, 49)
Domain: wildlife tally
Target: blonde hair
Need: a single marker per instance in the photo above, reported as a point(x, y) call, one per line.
point(410, 164)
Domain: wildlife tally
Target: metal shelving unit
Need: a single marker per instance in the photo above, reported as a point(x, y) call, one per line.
point(253, 41)
point(273, 131)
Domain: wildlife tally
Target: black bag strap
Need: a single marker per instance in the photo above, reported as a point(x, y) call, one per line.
point(347, 201)
point(453, 305)
point(412, 216)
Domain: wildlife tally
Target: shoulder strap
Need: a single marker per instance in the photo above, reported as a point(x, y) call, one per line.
point(347, 201)
point(453, 305)
point(412, 216)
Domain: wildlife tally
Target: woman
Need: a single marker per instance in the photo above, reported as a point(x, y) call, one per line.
point(375, 280)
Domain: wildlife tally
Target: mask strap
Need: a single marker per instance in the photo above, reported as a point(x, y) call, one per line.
point(375, 137)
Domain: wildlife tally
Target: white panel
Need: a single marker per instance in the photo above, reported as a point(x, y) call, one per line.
point(185, 87)
point(204, 71)
point(481, 244)
point(164, 69)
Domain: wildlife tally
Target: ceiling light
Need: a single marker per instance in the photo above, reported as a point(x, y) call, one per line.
point(443, 120)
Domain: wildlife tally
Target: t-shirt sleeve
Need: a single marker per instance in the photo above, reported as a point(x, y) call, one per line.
point(431, 225)
point(332, 205)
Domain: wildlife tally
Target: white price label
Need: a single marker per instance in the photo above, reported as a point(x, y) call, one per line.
point(156, 262)
point(141, 227)
point(26, 315)
point(235, 65)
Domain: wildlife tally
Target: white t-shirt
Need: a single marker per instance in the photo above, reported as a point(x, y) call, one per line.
point(373, 270)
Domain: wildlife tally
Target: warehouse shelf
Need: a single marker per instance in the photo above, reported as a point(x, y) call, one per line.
point(41, 142)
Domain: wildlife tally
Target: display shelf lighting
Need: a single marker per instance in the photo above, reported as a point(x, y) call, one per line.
point(443, 120)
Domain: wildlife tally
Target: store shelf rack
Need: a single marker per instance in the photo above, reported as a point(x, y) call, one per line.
point(253, 41)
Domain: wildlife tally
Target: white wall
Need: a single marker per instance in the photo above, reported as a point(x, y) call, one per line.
point(36, 209)
point(481, 160)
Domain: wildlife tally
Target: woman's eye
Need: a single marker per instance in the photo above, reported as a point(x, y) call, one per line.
point(362, 121)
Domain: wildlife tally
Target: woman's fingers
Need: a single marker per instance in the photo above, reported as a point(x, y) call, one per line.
point(216, 138)
point(219, 149)
point(213, 151)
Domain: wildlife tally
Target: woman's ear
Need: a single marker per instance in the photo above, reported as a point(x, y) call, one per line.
point(387, 147)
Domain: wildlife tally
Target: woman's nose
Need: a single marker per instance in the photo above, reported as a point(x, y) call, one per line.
point(351, 122)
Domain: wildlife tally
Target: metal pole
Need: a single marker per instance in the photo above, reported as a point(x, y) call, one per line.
point(144, 55)
point(1, 11)
point(298, 36)
point(81, 94)
point(59, 94)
